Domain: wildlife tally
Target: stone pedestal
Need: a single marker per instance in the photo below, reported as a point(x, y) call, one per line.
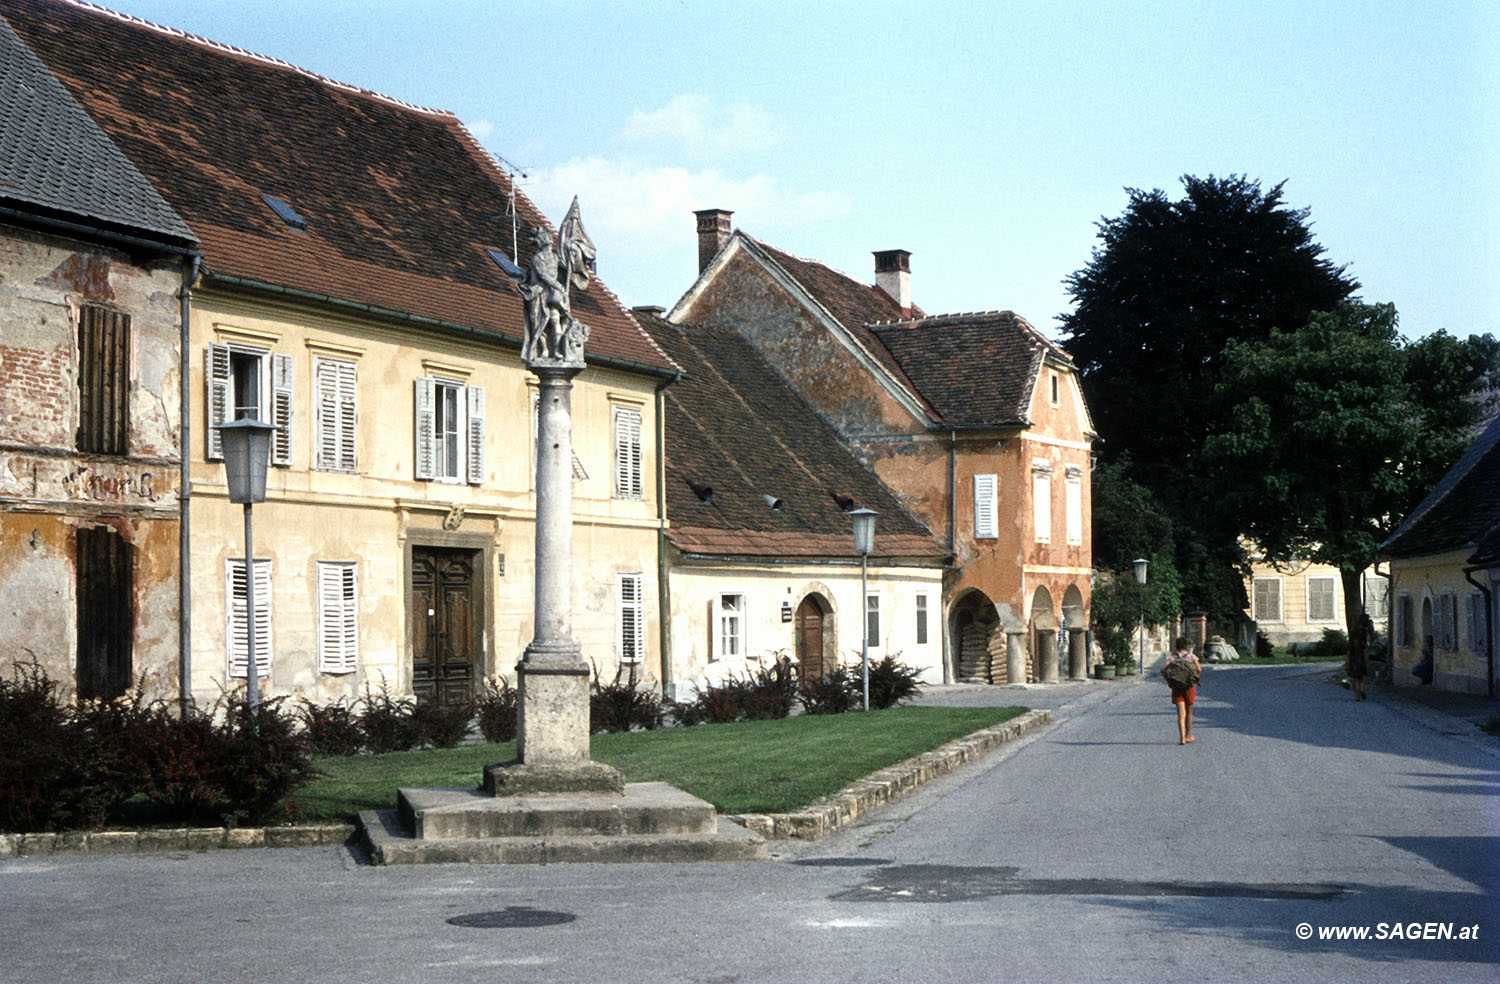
point(1078, 655)
point(1046, 656)
point(552, 723)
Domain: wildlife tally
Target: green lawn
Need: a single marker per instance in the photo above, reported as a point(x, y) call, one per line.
point(750, 767)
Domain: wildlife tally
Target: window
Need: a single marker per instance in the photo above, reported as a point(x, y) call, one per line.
point(1321, 594)
point(985, 507)
point(1474, 620)
point(237, 378)
point(1376, 596)
point(1054, 396)
point(1041, 497)
point(872, 620)
point(1074, 490)
point(729, 626)
point(921, 620)
point(1403, 620)
point(631, 643)
point(627, 429)
point(238, 638)
point(338, 618)
point(1447, 617)
point(449, 431)
point(1267, 599)
point(333, 414)
point(103, 381)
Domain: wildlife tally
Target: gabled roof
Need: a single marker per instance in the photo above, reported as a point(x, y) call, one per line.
point(942, 356)
point(735, 434)
point(400, 202)
point(55, 162)
point(1463, 509)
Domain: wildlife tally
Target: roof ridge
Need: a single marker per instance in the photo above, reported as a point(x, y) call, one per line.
point(254, 56)
point(804, 259)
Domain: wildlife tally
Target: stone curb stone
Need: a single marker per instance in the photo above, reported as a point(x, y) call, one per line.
point(172, 839)
point(823, 817)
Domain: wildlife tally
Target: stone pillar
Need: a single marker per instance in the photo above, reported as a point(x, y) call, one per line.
point(1078, 655)
point(1197, 630)
point(553, 696)
point(1015, 655)
point(1046, 656)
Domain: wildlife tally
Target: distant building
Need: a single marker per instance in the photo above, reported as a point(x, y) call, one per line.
point(1295, 603)
point(975, 421)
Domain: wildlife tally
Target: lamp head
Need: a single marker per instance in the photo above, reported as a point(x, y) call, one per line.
point(1140, 569)
point(247, 455)
point(864, 530)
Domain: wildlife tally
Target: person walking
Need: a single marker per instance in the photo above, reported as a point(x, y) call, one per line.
point(1181, 671)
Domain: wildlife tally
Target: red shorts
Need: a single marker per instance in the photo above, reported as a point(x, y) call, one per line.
point(1184, 696)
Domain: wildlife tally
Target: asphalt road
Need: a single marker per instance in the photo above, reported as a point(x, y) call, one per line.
point(1097, 850)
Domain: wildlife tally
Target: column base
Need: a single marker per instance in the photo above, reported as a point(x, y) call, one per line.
point(552, 727)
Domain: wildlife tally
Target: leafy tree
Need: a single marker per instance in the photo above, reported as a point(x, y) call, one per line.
point(1340, 430)
point(1128, 520)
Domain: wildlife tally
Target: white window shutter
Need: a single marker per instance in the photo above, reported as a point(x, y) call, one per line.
point(281, 409)
point(216, 377)
point(631, 620)
point(985, 508)
point(627, 428)
point(1041, 499)
point(338, 620)
point(1075, 511)
point(325, 414)
point(425, 428)
point(346, 416)
point(474, 419)
point(239, 644)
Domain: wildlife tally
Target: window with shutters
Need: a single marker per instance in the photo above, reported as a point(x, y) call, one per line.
point(1321, 599)
point(1074, 489)
point(1041, 499)
point(103, 381)
point(631, 641)
point(985, 507)
point(333, 414)
point(1266, 602)
point(1447, 610)
point(1377, 597)
point(238, 642)
point(627, 444)
point(872, 620)
point(1403, 620)
point(729, 626)
point(921, 620)
point(1474, 622)
point(449, 431)
point(246, 381)
point(338, 618)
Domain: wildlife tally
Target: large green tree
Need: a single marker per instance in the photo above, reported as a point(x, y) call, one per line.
point(1339, 429)
point(1169, 285)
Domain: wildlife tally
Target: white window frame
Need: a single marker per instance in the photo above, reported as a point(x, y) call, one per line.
point(922, 627)
point(338, 616)
point(334, 414)
point(236, 641)
point(1333, 597)
point(1255, 607)
point(630, 609)
point(728, 624)
point(986, 507)
point(626, 431)
point(1074, 511)
point(1041, 501)
point(273, 402)
point(464, 462)
point(1054, 388)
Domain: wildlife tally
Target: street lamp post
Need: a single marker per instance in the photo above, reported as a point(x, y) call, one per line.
point(1140, 564)
point(247, 453)
point(864, 542)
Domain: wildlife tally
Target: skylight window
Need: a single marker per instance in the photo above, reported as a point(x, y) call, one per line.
point(507, 267)
point(285, 212)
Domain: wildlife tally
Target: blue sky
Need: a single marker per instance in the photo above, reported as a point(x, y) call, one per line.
point(986, 138)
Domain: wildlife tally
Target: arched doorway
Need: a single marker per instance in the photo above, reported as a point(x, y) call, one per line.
point(813, 638)
point(1043, 667)
point(978, 642)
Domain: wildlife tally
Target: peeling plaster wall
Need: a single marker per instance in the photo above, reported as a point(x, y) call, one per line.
point(47, 489)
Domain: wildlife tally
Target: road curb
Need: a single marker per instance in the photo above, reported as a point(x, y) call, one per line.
point(172, 839)
point(824, 816)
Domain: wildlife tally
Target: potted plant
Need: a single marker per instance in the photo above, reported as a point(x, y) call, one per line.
point(1106, 670)
point(1124, 666)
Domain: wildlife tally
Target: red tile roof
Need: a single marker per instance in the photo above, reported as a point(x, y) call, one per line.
point(400, 201)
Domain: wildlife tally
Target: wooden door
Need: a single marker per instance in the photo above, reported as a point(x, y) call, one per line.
point(106, 621)
point(443, 651)
point(809, 641)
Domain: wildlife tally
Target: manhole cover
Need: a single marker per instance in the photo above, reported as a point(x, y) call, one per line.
point(843, 862)
point(513, 917)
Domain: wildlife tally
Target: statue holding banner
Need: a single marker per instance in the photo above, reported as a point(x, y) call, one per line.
point(553, 336)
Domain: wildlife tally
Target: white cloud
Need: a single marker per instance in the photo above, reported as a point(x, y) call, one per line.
point(481, 128)
point(695, 123)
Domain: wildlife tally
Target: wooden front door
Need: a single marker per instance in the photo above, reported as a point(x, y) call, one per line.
point(106, 622)
point(809, 641)
point(443, 650)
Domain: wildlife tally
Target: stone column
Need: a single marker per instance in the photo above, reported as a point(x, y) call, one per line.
point(1078, 655)
point(553, 698)
point(1046, 656)
point(1015, 655)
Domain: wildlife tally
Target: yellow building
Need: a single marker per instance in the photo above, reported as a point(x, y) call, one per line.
point(1293, 603)
point(352, 292)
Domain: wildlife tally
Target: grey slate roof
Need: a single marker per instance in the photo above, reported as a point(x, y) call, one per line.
point(1462, 510)
point(54, 158)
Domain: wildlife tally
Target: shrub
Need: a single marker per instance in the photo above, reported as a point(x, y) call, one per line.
point(624, 706)
point(766, 694)
point(892, 682)
point(496, 708)
point(1333, 645)
point(262, 758)
point(386, 721)
point(441, 725)
point(1263, 647)
point(332, 729)
point(49, 763)
point(833, 692)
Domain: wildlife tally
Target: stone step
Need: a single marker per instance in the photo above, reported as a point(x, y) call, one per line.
point(464, 814)
point(390, 842)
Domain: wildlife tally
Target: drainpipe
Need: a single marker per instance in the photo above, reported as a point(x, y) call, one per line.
point(1489, 628)
point(184, 491)
point(663, 591)
point(953, 546)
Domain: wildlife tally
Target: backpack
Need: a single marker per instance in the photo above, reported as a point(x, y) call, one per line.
point(1180, 673)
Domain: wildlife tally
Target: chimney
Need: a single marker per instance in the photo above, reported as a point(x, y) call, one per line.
point(713, 233)
point(893, 275)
